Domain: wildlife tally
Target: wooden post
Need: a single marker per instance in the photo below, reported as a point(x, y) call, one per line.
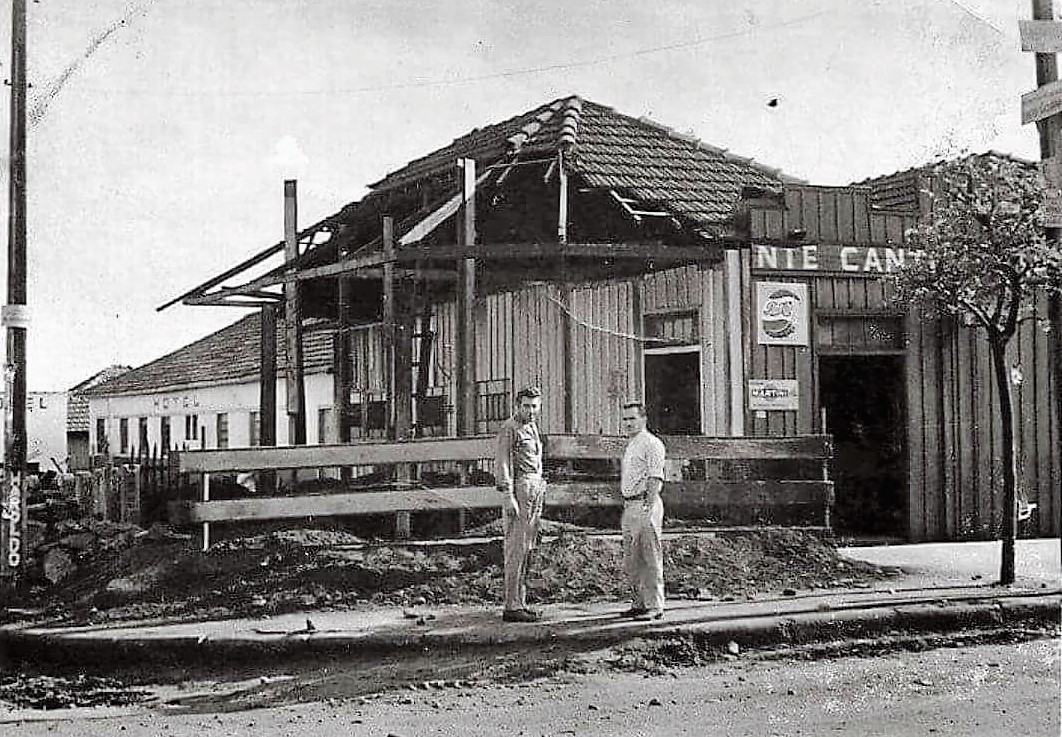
point(296, 388)
point(562, 200)
point(342, 370)
point(465, 348)
point(387, 310)
point(1050, 145)
point(267, 391)
point(15, 320)
point(391, 361)
point(735, 346)
point(206, 525)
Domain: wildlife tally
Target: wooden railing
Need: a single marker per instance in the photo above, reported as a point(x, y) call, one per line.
point(683, 497)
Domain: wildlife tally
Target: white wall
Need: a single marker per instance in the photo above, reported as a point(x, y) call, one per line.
point(237, 401)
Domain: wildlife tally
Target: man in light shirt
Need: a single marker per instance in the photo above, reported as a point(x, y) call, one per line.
point(641, 479)
point(518, 474)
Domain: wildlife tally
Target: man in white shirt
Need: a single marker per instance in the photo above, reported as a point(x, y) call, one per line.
point(641, 479)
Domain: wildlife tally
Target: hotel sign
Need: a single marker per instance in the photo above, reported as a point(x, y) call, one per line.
point(832, 259)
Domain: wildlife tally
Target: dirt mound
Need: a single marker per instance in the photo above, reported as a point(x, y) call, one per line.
point(150, 576)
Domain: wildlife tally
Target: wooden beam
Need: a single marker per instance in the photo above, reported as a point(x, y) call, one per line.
point(423, 228)
point(679, 447)
point(658, 252)
point(691, 497)
point(228, 302)
point(295, 394)
point(326, 456)
point(280, 276)
point(695, 447)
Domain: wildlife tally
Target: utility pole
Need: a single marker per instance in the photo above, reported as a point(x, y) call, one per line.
point(15, 319)
point(1044, 36)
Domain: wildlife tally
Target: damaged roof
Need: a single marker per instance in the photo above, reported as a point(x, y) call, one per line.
point(607, 149)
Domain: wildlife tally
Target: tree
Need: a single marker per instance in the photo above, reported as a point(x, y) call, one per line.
point(982, 256)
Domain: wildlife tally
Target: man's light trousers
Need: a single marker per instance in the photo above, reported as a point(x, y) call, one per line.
point(643, 553)
point(521, 528)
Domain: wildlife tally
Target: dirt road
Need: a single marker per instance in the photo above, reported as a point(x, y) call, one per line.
point(988, 689)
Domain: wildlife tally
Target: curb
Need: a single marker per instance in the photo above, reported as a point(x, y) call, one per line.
point(103, 654)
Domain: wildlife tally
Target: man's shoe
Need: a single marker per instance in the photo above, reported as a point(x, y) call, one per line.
point(649, 615)
point(634, 611)
point(520, 615)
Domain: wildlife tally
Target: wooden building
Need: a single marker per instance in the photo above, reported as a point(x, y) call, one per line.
point(605, 258)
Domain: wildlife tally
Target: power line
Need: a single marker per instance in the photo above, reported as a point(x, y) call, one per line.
point(699, 41)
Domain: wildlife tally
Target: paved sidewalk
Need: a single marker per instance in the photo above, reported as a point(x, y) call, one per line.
point(946, 586)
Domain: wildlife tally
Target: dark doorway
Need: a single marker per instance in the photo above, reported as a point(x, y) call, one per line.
point(863, 397)
point(673, 392)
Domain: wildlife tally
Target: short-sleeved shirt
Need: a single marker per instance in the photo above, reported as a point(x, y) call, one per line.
point(518, 451)
point(643, 460)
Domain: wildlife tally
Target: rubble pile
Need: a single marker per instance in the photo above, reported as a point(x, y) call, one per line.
point(116, 572)
point(49, 692)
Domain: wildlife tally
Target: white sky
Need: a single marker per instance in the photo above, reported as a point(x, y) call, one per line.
point(160, 161)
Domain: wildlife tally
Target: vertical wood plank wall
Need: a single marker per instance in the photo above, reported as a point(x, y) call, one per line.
point(701, 288)
point(520, 337)
point(955, 433)
point(953, 427)
point(604, 355)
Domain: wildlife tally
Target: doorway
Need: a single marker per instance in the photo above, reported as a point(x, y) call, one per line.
point(863, 398)
point(673, 392)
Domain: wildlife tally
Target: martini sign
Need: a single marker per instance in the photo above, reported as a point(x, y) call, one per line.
point(781, 313)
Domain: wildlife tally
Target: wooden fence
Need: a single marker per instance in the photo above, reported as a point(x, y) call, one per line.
point(137, 489)
point(704, 474)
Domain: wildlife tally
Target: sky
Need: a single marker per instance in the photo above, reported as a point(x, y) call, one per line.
point(161, 131)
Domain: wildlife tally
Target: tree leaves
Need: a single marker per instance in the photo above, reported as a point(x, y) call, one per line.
point(984, 254)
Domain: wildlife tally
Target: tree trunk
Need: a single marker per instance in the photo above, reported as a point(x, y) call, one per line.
point(998, 344)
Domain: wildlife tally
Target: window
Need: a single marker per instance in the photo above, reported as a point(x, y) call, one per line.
point(191, 427)
point(254, 430)
point(101, 436)
point(123, 435)
point(142, 435)
point(492, 404)
point(164, 433)
point(672, 329)
point(222, 428)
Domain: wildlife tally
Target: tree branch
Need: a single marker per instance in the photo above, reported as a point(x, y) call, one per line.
point(978, 313)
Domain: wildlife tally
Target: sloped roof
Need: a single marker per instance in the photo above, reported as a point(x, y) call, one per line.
point(699, 185)
point(77, 414)
point(899, 190)
point(607, 149)
point(231, 355)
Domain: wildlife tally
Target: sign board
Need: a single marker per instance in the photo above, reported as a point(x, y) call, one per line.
point(1043, 102)
point(1051, 208)
point(1041, 36)
point(832, 259)
point(781, 313)
point(774, 394)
